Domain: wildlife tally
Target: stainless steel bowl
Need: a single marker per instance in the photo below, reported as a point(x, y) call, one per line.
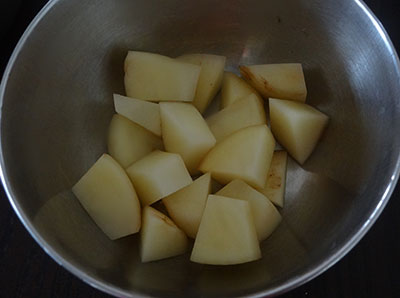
point(56, 98)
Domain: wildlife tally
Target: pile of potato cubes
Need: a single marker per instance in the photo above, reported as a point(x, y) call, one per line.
point(173, 174)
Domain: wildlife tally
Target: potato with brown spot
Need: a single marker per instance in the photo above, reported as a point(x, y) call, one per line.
point(283, 81)
point(276, 180)
point(160, 238)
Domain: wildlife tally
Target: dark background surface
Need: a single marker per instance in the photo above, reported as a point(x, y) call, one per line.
point(369, 270)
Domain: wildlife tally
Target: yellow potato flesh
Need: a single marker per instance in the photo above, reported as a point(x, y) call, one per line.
point(275, 186)
point(158, 175)
point(155, 77)
point(210, 79)
point(233, 89)
point(160, 238)
point(285, 81)
point(266, 217)
point(227, 234)
point(144, 113)
point(243, 113)
point(109, 197)
point(186, 206)
point(185, 132)
point(296, 126)
point(129, 142)
point(245, 154)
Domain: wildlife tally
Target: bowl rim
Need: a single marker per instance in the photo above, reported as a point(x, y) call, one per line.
point(293, 282)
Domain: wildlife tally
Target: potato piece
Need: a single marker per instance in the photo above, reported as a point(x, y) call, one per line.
point(159, 78)
point(227, 234)
point(128, 142)
point(245, 154)
point(297, 126)
point(210, 80)
point(109, 197)
point(285, 81)
point(266, 217)
point(144, 113)
point(233, 89)
point(186, 206)
point(160, 238)
point(276, 179)
point(185, 132)
point(243, 113)
point(158, 175)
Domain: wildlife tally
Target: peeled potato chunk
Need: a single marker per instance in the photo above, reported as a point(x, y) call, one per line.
point(155, 77)
point(266, 217)
point(186, 206)
point(128, 142)
point(276, 180)
point(160, 238)
point(107, 194)
point(245, 154)
point(144, 113)
point(158, 175)
point(285, 81)
point(210, 79)
point(234, 88)
point(297, 126)
point(245, 112)
point(227, 234)
point(185, 132)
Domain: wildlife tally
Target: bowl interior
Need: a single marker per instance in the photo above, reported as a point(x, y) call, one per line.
point(57, 105)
